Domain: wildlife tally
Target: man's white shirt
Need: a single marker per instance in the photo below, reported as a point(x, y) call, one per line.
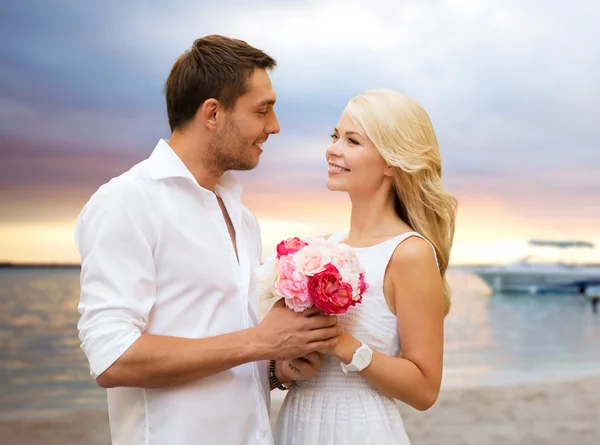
point(157, 258)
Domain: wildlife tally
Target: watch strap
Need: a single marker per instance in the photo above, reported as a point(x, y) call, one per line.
point(356, 363)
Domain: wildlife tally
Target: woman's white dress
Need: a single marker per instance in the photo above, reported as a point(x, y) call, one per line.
point(334, 408)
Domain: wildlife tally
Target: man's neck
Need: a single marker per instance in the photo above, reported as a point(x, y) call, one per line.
point(192, 154)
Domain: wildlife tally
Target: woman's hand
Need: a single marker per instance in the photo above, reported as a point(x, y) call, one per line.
point(303, 368)
point(344, 349)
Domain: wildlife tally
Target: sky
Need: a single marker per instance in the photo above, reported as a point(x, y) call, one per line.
point(511, 87)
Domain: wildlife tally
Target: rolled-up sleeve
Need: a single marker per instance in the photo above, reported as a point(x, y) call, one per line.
point(115, 238)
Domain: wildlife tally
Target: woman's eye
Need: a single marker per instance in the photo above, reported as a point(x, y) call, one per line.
point(334, 136)
point(353, 141)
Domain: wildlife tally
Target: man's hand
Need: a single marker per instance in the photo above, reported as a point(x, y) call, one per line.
point(287, 335)
point(303, 368)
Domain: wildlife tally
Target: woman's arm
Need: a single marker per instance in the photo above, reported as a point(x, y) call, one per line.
point(415, 377)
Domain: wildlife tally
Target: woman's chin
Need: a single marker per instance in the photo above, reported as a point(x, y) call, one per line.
point(334, 186)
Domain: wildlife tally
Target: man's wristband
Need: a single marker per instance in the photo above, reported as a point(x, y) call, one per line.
point(276, 383)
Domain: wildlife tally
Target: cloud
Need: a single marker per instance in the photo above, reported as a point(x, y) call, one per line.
point(489, 73)
point(50, 181)
point(511, 88)
point(111, 130)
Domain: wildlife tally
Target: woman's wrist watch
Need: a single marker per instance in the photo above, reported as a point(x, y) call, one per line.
point(274, 381)
point(360, 360)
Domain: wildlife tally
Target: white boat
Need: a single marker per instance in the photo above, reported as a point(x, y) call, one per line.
point(534, 277)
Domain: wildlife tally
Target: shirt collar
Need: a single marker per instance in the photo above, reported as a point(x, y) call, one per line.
point(164, 163)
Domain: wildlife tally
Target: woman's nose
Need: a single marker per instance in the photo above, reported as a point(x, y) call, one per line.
point(334, 150)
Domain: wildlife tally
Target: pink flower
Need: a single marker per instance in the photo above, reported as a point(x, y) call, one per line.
point(311, 260)
point(291, 285)
point(362, 284)
point(318, 273)
point(286, 265)
point(328, 292)
point(290, 246)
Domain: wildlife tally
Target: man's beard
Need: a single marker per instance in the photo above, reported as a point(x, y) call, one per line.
point(228, 151)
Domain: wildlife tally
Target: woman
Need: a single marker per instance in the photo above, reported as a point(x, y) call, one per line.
point(385, 155)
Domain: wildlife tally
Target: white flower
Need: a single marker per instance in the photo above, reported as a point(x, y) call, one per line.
point(266, 276)
point(312, 259)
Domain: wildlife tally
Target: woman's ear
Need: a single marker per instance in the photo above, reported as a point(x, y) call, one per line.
point(389, 171)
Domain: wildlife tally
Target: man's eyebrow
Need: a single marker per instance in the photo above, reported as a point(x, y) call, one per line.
point(265, 102)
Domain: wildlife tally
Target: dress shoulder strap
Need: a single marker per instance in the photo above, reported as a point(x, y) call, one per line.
point(336, 237)
point(405, 236)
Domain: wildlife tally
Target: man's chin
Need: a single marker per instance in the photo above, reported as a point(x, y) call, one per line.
point(245, 166)
point(252, 165)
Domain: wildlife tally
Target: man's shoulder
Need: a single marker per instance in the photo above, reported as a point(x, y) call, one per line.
point(131, 183)
point(128, 190)
point(122, 202)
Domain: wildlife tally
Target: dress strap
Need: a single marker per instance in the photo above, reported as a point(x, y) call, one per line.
point(405, 236)
point(336, 237)
point(386, 249)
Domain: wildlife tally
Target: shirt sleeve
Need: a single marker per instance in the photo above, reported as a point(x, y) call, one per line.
point(118, 283)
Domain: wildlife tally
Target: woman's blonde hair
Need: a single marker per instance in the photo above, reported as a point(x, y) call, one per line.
point(403, 134)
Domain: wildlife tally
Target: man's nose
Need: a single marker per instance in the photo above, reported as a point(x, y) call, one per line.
point(272, 126)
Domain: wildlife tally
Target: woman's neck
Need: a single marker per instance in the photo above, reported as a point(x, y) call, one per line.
point(374, 218)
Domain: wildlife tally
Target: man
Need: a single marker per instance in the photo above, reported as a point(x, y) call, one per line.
point(169, 313)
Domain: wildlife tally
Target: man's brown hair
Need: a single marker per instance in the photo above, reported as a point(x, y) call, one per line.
point(214, 67)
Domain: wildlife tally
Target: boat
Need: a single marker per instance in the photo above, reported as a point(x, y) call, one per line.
point(531, 276)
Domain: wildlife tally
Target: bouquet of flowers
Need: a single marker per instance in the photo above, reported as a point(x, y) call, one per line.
point(314, 272)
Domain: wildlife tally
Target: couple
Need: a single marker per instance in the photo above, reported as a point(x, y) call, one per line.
point(169, 311)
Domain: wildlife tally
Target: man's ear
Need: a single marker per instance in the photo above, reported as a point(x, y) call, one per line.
point(208, 113)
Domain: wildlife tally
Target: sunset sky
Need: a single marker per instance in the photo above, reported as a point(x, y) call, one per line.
point(512, 89)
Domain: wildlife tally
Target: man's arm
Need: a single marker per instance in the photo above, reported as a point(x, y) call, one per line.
point(155, 361)
point(115, 238)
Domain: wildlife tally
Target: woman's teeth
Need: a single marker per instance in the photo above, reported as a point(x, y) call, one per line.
point(338, 169)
